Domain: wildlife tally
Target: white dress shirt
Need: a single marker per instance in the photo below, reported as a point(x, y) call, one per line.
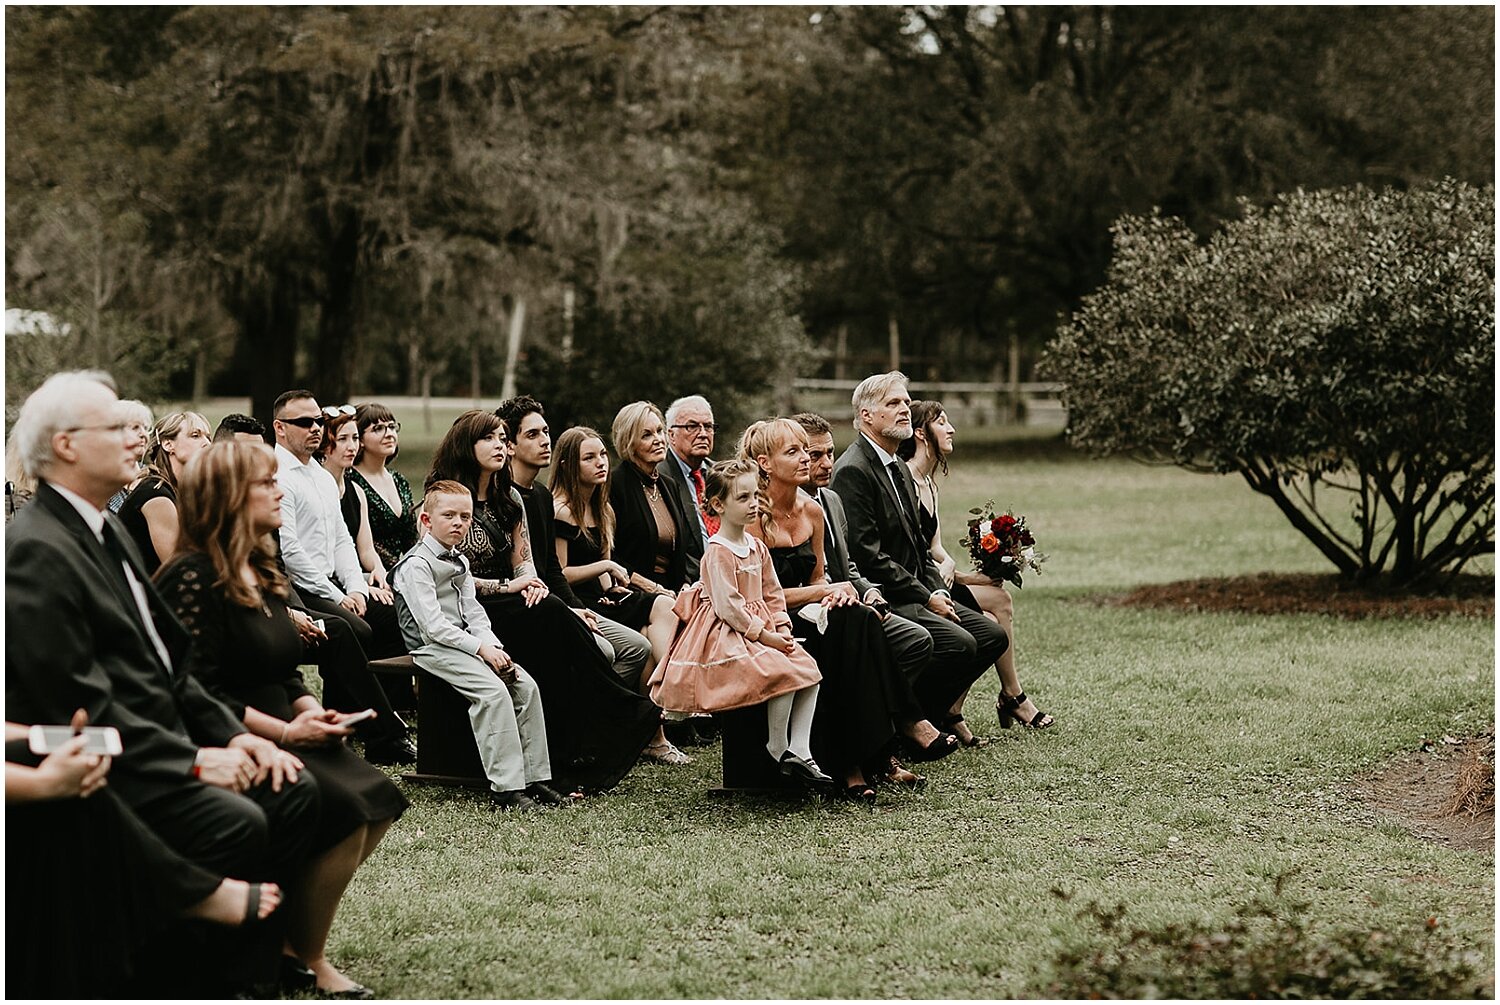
point(414, 581)
point(315, 542)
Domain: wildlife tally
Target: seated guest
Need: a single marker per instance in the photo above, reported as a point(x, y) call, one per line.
point(140, 419)
point(449, 636)
point(74, 850)
point(864, 700)
point(738, 648)
point(19, 486)
point(886, 544)
point(652, 531)
point(391, 515)
point(227, 590)
point(925, 452)
point(336, 452)
point(690, 442)
point(230, 801)
point(585, 529)
point(237, 426)
point(596, 727)
point(323, 565)
point(531, 451)
point(150, 510)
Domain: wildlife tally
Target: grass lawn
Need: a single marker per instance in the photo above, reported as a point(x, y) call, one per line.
point(1197, 758)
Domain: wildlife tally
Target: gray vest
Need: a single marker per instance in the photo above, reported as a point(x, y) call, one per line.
point(448, 577)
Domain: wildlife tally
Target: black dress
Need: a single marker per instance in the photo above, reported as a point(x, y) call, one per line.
point(853, 725)
point(394, 533)
point(927, 524)
point(631, 608)
point(87, 884)
point(250, 656)
point(349, 510)
point(596, 727)
point(134, 520)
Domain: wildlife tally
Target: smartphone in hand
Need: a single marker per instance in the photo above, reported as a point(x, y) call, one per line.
point(101, 740)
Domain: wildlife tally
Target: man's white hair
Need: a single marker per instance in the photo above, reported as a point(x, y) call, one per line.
point(691, 401)
point(49, 410)
point(873, 390)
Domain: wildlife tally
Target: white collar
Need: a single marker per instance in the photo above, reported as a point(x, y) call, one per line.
point(885, 458)
point(86, 509)
point(288, 460)
point(739, 550)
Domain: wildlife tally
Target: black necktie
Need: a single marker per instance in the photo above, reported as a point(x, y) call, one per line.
point(896, 469)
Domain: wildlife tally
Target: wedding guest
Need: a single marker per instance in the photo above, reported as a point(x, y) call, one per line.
point(323, 566)
point(241, 427)
point(531, 451)
point(232, 802)
point(392, 517)
point(653, 533)
point(336, 453)
point(229, 593)
point(19, 486)
point(596, 727)
point(864, 699)
point(449, 635)
point(926, 452)
point(690, 439)
point(585, 529)
point(737, 648)
point(138, 414)
point(150, 510)
point(886, 545)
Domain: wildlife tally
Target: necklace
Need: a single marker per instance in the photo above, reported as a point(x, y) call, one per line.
point(653, 491)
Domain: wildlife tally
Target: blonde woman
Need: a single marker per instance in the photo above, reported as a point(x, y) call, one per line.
point(651, 527)
point(150, 510)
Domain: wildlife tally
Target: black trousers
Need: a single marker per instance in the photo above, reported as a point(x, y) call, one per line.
point(960, 654)
point(349, 686)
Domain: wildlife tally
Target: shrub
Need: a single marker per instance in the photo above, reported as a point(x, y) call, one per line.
point(1336, 349)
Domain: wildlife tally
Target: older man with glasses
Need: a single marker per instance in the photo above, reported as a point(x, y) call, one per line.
point(690, 437)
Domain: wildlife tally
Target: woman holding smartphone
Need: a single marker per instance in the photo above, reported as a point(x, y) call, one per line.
point(226, 588)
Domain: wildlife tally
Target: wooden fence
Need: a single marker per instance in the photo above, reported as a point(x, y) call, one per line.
point(973, 403)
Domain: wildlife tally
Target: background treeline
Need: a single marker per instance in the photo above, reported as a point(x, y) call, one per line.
point(598, 204)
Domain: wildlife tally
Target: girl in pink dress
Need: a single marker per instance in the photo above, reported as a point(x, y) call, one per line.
point(737, 649)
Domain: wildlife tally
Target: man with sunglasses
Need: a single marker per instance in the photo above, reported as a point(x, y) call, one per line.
point(324, 567)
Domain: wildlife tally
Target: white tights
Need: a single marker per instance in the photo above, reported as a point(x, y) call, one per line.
point(789, 722)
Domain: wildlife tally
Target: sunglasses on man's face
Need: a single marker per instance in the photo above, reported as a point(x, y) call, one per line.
point(305, 421)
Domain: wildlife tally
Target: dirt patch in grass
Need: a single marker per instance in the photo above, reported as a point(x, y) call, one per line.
point(1444, 792)
point(1272, 593)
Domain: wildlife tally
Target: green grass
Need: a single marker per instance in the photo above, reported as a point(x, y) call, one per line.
point(1196, 759)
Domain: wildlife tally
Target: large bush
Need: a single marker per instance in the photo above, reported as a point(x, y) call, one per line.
point(1337, 349)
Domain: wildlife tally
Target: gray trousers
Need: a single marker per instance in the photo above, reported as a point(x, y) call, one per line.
point(628, 650)
point(508, 725)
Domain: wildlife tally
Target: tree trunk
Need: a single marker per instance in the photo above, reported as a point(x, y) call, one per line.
point(414, 376)
point(841, 354)
point(474, 371)
point(200, 373)
point(338, 330)
point(514, 331)
point(893, 333)
point(569, 300)
point(268, 314)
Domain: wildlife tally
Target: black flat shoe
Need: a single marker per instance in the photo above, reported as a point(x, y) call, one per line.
point(803, 768)
point(513, 800)
point(1007, 710)
point(544, 793)
point(396, 751)
point(294, 976)
point(941, 746)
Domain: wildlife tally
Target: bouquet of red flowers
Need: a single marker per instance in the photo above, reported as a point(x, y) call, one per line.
point(1001, 546)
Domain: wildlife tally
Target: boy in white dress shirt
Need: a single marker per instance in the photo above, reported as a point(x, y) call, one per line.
point(449, 636)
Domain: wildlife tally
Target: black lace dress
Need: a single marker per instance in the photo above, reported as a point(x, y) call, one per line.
point(853, 725)
point(596, 727)
point(394, 533)
point(631, 608)
point(250, 656)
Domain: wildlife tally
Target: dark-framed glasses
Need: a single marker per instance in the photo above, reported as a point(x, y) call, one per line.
point(384, 427)
point(696, 427)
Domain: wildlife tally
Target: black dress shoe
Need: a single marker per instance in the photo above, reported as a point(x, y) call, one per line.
point(544, 793)
point(395, 751)
point(513, 799)
point(294, 976)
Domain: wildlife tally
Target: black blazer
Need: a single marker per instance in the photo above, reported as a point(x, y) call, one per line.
point(75, 640)
point(541, 528)
point(635, 529)
point(884, 542)
point(670, 475)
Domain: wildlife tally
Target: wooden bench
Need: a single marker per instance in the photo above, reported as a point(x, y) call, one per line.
point(446, 751)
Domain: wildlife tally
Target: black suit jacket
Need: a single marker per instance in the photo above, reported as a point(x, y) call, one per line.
point(541, 527)
point(74, 639)
point(836, 559)
point(635, 529)
point(670, 473)
point(884, 542)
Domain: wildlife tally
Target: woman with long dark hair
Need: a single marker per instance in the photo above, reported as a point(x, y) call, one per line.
point(596, 727)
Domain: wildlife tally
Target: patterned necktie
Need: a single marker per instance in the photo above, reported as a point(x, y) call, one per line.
point(896, 468)
point(710, 523)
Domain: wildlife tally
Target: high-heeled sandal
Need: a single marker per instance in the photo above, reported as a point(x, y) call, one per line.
point(938, 748)
point(860, 792)
point(897, 774)
point(1007, 711)
point(949, 721)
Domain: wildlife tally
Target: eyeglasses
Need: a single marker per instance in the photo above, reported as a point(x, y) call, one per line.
point(334, 411)
point(118, 428)
point(384, 427)
point(696, 427)
point(305, 421)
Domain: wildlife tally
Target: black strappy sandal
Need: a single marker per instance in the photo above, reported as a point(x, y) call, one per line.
point(941, 746)
point(1006, 710)
point(948, 722)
